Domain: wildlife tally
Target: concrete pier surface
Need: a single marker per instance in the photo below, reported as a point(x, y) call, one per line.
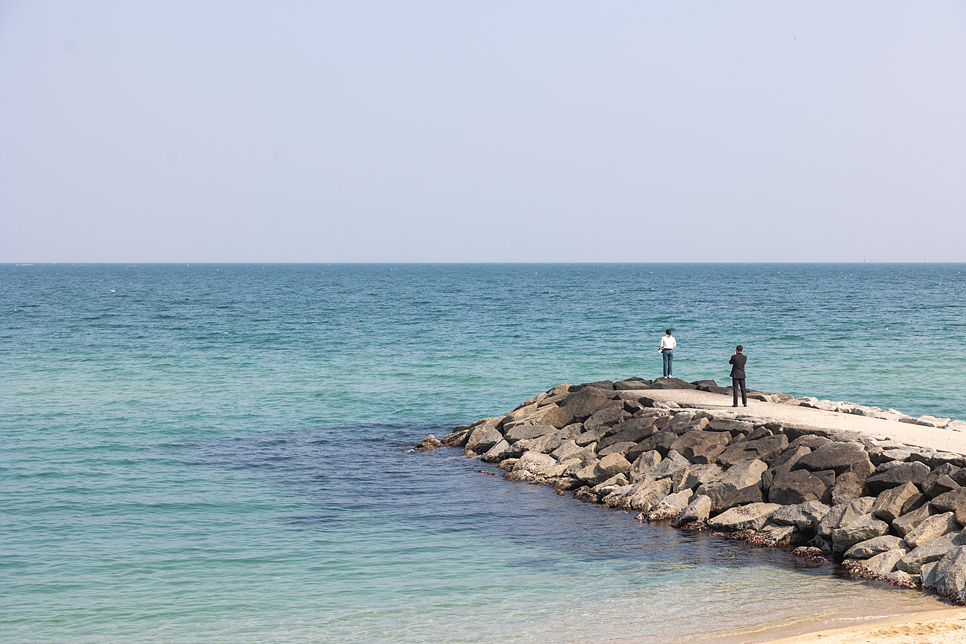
point(944, 440)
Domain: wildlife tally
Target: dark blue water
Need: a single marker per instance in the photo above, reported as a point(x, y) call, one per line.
point(218, 452)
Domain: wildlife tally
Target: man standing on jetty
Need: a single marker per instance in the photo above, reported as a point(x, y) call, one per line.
point(738, 361)
point(667, 351)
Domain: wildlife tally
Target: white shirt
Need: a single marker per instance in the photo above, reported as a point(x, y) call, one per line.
point(668, 342)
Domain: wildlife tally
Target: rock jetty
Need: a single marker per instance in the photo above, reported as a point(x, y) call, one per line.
point(879, 508)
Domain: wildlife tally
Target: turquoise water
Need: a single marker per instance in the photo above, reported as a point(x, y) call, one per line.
point(219, 452)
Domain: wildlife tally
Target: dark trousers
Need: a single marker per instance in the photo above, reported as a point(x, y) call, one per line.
point(735, 384)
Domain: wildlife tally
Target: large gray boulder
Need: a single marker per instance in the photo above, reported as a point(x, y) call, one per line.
point(744, 496)
point(934, 550)
point(783, 464)
point(952, 501)
point(900, 454)
point(540, 465)
point(586, 437)
point(603, 469)
point(946, 469)
point(771, 534)
point(835, 456)
point(555, 394)
point(764, 449)
point(573, 404)
point(873, 547)
point(696, 475)
point(667, 467)
point(615, 448)
point(811, 441)
point(699, 509)
point(487, 423)
point(941, 485)
point(911, 520)
point(792, 454)
point(521, 412)
point(458, 437)
point(570, 449)
point(649, 496)
point(745, 517)
point(890, 475)
point(617, 497)
point(661, 441)
point(691, 477)
point(607, 417)
point(950, 575)
point(531, 417)
point(841, 515)
point(914, 502)
point(521, 432)
point(850, 485)
point(804, 516)
point(733, 479)
point(888, 505)
point(932, 528)
point(642, 465)
point(699, 446)
point(733, 427)
point(847, 487)
point(862, 529)
point(684, 479)
point(610, 485)
point(928, 578)
point(497, 453)
point(571, 467)
point(631, 384)
point(759, 432)
point(606, 385)
point(561, 436)
point(681, 422)
point(671, 383)
point(538, 444)
point(883, 563)
point(484, 442)
point(670, 506)
point(797, 486)
point(634, 430)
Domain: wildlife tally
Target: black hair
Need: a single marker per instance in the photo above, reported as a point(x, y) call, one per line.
point(740, 348)
point(668, 331)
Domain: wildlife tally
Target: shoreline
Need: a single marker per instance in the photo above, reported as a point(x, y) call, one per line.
point(877, 492)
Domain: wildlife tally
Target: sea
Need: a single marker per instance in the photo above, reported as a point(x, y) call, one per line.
point(222, 452)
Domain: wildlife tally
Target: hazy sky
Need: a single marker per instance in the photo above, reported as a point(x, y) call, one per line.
point(136, 131)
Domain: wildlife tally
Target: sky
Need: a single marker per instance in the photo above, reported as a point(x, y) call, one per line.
point(467, 131)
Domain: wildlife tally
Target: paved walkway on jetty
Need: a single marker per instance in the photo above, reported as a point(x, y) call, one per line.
point(944, 440)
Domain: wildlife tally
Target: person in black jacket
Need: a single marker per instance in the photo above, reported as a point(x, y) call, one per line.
point(738, 361)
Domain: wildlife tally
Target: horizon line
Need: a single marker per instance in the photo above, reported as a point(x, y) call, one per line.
point(456, 263)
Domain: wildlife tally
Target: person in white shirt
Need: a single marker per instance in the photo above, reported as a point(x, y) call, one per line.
point(667, 351)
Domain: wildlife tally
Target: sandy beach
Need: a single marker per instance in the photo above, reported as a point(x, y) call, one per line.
point(945, 626)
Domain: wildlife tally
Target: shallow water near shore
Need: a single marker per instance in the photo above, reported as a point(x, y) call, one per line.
point(219, 452)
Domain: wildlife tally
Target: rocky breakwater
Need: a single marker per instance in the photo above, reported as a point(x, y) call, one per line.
point(879, 508)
